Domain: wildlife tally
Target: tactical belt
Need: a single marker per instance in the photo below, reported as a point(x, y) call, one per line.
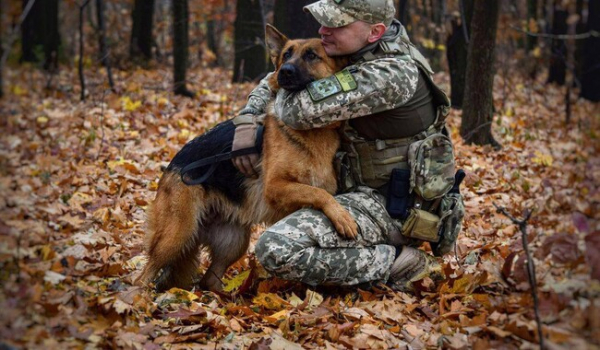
point(214, 161)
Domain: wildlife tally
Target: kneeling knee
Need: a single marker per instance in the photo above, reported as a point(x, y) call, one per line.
point(274, 251)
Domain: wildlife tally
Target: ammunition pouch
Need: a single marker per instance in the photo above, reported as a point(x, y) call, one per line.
point(452, 212)
point(422, 225)
point(343, 169)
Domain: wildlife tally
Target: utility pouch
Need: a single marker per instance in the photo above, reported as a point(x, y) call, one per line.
point(432, 166)
point(398, 196)
point(452, 211)
point(343, 171)
point(422, 225)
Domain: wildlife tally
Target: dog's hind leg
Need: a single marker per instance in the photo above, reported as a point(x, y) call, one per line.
point(227, 243)
point(172, 239)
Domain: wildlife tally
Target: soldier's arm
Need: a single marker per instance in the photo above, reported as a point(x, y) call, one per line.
point(259, 98)
point(368, 88)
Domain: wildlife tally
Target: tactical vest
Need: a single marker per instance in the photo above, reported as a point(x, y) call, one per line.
point(370, 162)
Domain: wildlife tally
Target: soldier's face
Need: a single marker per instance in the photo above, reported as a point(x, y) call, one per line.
point(345, 40)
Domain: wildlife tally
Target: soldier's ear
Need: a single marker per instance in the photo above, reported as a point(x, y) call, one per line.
point(275, 42)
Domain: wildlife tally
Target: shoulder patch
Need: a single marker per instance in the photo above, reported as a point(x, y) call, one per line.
point(326, 87)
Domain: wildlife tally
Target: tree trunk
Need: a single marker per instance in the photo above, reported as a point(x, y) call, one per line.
point(180, 46)
point(31, 33)
point(532, 6)
point(104, 55)
point(39, 34)
point(291, 20)
point(211, 39)
point(456, 53)
point(558, 58)
point(250, 58)
point(590, 81)
point(403, 13)
point(141, 29)
point(1, 54)
point(476, 126)
point(51, 34)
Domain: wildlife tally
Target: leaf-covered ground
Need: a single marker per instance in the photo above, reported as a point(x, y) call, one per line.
point(75, 179)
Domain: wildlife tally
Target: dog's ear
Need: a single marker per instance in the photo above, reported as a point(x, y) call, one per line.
point(275, 42)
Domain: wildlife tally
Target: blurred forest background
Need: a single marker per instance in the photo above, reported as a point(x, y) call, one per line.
point(98, 95)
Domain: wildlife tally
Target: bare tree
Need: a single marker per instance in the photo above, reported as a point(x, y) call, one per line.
point(141, 29)
point(250, 59)
point(457, 49)
point(180, 46)
point(476, 126)
point(303, 25)
point(104, 56)
point(590, 81)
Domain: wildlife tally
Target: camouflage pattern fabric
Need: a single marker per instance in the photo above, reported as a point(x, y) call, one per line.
point(336, 13)
point(304, 246)
point(260, 97)
point(432, 166)
point(382, 84)
point(452, 214)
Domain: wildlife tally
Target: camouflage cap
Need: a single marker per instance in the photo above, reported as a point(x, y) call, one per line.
point(338, 13)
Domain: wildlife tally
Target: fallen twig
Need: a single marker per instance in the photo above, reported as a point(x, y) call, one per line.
point(530, 266)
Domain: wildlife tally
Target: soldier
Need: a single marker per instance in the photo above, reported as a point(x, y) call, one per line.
point(387, 100)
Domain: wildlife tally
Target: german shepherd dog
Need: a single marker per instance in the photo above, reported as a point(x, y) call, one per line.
point(297, 171)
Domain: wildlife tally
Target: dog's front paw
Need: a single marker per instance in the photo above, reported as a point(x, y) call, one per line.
point(341, 219)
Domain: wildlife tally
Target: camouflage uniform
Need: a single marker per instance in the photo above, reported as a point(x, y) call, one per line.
point(305, 246)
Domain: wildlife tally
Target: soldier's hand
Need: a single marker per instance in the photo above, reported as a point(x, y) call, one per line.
point(245, 137)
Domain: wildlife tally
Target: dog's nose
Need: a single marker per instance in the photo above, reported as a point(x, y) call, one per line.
point(287, 70)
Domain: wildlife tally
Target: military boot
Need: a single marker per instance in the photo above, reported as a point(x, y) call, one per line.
point(413, 265)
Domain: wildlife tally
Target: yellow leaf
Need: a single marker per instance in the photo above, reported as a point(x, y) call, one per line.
point(274, 318)
point(184, 135)
point(182, 295)
point(17, 90)
point(269, 301)
point(162, 102)
point(294, 300)
point(113, 164)
point(47, 253)
point(130, 105)
point(236, 282)
point(205, 92)
point(542, 159)
point(42, 120)
point(509, 112)
point(314, 298)
point(182, 123)
point(441, 47)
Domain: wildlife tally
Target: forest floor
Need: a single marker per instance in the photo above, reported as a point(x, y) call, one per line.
point(75, 179)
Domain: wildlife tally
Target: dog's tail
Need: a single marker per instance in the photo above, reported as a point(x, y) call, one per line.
point(171, 240)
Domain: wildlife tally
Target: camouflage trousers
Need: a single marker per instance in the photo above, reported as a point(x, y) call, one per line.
point(305, 246)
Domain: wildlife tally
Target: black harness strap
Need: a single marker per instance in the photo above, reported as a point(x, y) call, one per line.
point(214, 161)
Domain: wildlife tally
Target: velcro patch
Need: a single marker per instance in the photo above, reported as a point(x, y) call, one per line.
point(326, 87)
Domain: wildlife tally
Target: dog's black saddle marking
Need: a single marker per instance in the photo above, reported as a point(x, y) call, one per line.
point(202, 161)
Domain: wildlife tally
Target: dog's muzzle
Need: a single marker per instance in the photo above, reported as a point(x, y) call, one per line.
point(291, 78)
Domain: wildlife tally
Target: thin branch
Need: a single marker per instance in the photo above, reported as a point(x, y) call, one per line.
point(530, 265)
point(591, 33)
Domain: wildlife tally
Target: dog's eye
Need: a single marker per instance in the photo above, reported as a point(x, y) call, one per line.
point(287, 55)
point(311, 55)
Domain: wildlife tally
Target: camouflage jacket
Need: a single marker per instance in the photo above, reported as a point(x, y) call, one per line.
point(367, 87)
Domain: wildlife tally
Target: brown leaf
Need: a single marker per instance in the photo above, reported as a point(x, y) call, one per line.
point(592, 253)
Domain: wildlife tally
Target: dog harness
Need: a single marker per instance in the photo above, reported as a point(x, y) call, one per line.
point(214, 161)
